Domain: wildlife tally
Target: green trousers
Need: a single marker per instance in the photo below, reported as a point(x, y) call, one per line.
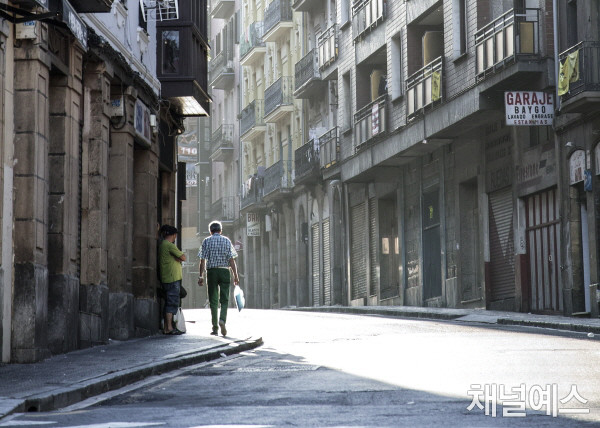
point(219, 281)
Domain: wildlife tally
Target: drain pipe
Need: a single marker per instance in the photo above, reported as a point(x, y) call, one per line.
point(556, 57)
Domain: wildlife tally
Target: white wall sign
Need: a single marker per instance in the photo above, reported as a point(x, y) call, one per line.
point(141, 121)
point(253, 224)
point(577, 166)
point(529, 108)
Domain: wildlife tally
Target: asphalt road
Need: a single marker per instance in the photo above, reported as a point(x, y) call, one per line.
point(347, 370)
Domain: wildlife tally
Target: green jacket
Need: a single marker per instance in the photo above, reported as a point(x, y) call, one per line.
point(170, 267)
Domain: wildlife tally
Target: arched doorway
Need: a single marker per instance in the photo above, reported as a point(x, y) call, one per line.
point(302, 260)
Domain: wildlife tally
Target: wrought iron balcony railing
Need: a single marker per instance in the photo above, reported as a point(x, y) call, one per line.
point(278, 11)
point(225, 209)
point(307, 69)
point(515, 33)
point(222, 138)
point(588, 73)
point(370, 121)
point(278, 177)
point(425, 87)
point(252, 192)
point(307, 160)
point(330, 148)
point(252, 115)
point(222, 63)
point(251, 38)
point(366, 15)
point(279, 94)
point(327, 43)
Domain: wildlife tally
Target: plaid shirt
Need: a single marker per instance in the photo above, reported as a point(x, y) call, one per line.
point(217, 250)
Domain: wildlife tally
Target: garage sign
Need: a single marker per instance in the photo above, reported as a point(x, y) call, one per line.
point(528, 108)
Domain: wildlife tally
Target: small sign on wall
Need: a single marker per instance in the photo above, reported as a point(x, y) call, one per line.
point(141, 122)
point(528, 108)
point(253, 224)
point(577, 166)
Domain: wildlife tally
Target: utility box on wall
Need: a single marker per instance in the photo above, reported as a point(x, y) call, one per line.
point(26, 30)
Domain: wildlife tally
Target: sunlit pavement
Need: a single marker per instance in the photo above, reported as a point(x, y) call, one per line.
point(346, 370)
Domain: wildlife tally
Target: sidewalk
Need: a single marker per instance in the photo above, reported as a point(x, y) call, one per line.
point(583, 325)
point(69, 378)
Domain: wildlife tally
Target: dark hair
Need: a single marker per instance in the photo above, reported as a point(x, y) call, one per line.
point(215, 226)
point(168, 230)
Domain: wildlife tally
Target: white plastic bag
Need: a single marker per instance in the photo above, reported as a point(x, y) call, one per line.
point(179, 321)
point(238, 295)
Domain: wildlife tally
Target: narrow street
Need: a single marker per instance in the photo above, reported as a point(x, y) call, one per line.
point(346, 370)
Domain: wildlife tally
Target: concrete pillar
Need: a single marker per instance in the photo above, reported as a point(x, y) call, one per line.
point(6, 187)
point(144, 277)
point(120, 227)
point(93, 290)
point(29, 340)
point(65, 100)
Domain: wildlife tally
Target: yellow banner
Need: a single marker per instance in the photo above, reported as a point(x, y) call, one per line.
point(436, 86)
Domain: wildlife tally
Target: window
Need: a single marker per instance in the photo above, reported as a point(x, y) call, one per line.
point(170, 52)
point(395, 73)
point(141, 21)
point(345, 11)
point(572, 37)
point(347, 102)
point(459, 20)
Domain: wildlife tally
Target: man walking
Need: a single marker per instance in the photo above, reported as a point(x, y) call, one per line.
point(218, 256)
point(170, 258)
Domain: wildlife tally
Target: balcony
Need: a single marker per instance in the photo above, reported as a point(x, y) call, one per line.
point(314, 6)
point(308, 77)
point(425, 88)
point(278, 20)
point(366, 15)
point(252, 193)
point(222, 9)
point(221, 143)
point(222, 75)
point(583, 91)
point(224, 209)
point(252, 121)
point(370, 122)
point(279, 99)
point(509, 38)
point(278, 180)
point(327, 43)
point(91, 6)
point(307, 162)
point(330, 148)
point(252, 45)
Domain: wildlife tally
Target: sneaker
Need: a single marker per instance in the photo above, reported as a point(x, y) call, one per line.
point(223, 329)
point(214, 332)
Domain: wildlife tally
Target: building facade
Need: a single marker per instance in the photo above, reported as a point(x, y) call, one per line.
point(402, 164)
point(83, 174)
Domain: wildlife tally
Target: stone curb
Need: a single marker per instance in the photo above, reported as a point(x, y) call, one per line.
point(403, 313)
point(582, 328)
point(80, 391)
point(452, 314)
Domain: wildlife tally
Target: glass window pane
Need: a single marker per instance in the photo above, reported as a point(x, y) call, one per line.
point(170, 52)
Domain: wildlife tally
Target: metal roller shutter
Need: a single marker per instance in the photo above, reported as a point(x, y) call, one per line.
point(372, 248)
point(543, 234)
point(326, 264)
point(316, 268)
point(502, 254)
point(358, 253)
